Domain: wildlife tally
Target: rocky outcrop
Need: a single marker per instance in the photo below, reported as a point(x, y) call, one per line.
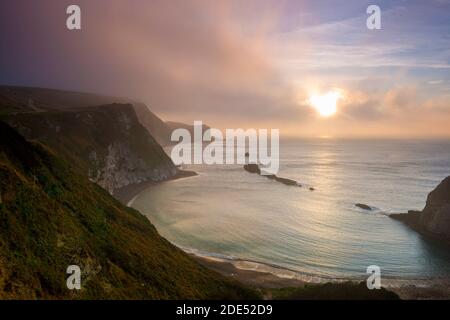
point(363, 206)
point(107, 143)
point(122, 167)
point(434, 219)
point(286, 181)
point(254, 168)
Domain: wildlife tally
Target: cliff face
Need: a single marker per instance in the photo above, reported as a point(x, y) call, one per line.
point(435, 217)
point(51, 217)
point(159, 129)
point(107, 143)
point(26, 99)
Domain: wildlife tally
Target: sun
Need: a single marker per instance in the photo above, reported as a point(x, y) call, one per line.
point(326, 104)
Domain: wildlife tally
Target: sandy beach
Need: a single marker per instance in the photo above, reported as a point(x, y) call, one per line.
point(406, 289)
point(252, 278)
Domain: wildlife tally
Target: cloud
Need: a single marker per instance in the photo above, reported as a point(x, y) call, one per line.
point(396, 105)
point(186, 59)
point(234, 63)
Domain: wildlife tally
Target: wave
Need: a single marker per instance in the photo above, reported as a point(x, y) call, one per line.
point(286, 273)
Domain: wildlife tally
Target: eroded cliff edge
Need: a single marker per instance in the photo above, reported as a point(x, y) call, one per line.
point(15, 99)
point(434, 219)
point(106, 142)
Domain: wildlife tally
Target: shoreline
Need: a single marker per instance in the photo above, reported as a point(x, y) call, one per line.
point(265, 276)
point(406, 289)
point(127, 194)
point(252, 278)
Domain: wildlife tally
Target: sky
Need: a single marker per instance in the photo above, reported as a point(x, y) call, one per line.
point(245, 64)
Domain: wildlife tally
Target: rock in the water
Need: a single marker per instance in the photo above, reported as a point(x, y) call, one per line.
point(363, 206)
point(286, 181)
point(247, 154)
point(252, 168)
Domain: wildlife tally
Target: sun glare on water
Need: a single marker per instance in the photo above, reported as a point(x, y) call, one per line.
point(326, 104)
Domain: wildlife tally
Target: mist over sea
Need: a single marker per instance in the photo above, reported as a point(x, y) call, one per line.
point(228, 212)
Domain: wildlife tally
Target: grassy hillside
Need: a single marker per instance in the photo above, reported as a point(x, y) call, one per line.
point(52, 217)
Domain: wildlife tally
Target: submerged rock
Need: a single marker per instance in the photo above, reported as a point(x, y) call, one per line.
point(363, 206)
point(286, 181)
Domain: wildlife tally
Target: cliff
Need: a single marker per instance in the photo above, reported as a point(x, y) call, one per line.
point(52, 217)
point(106, 143)
point(434, 219)
point(159, 129)
point(28, 99)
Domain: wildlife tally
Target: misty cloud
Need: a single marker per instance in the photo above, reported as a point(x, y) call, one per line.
point(240, 63)
point(189, 57)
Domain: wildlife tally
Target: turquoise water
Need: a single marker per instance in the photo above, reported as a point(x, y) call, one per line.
point(228, 212)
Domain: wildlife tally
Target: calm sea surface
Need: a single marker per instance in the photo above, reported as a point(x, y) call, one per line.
point(227, 212)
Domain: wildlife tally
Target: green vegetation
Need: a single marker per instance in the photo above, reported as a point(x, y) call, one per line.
point(333, 291)
point(83, 136)
point(52, 217)
point(15, 100)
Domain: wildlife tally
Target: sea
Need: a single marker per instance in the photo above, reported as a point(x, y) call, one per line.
point(260, 224)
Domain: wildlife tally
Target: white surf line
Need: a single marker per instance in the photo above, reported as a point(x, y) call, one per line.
point(130, 203)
